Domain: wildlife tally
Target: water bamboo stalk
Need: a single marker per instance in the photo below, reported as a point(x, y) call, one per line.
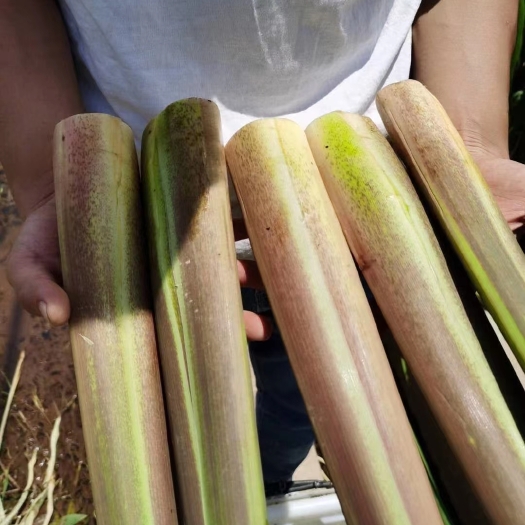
point(393, 243)
point(328, 328)
point(111, 328)
point(457, 192)
point(199, 321)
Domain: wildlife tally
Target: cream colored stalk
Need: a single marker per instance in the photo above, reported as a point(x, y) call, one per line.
point(393, 243)
point(328, 328)
point(111, 328)
point(199, 321)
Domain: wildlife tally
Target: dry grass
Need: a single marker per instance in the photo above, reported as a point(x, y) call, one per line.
point(34, 503)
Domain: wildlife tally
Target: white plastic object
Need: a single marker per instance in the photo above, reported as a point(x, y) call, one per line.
point(311, 507)
point(244, 250)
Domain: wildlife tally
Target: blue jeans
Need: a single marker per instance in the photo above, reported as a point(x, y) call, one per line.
point(284, 429)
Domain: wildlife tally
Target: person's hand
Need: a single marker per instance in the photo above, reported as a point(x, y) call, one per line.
point(33, 267)
point(258, 327)
point(34, 272)
point(506, 179)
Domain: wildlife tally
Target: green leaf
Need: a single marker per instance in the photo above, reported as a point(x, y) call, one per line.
point(5, 486)
point(73, 519)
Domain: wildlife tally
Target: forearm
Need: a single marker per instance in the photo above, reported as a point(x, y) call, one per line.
point(462, 53)
point(38, 88)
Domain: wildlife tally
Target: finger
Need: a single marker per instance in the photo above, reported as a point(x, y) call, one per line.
point(258, 327)
point(249, 275)
point(37, 290)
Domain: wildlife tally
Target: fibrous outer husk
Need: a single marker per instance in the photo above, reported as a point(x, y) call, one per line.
point(327, 326)
point(393, 243)
point(199, 321)
point(111, 327)
point(446, 173)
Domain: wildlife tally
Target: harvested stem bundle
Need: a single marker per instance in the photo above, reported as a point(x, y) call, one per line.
point(328, 328)
point(199, 321)
point(111, 327)
point(452, 183)
point(393, 243)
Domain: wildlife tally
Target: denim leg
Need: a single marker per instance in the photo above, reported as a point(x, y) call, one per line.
point(284, 429)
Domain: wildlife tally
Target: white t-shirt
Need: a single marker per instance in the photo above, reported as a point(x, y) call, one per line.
point(254, 58)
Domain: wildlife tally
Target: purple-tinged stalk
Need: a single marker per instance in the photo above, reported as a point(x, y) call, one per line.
point(328, 328)
point(198, 316)
point(394, 245)
point(447, 175)
point(111, 328)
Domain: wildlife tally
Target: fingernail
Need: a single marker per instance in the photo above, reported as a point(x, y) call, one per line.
point(43, 310)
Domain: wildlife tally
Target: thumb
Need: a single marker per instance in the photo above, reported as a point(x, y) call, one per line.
point(36, 288)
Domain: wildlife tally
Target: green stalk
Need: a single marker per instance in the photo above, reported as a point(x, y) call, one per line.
point(111, 326)
point(199, 321)
point(435, 488)
point(458, 194)
point(393, 243)
point(328, 328)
